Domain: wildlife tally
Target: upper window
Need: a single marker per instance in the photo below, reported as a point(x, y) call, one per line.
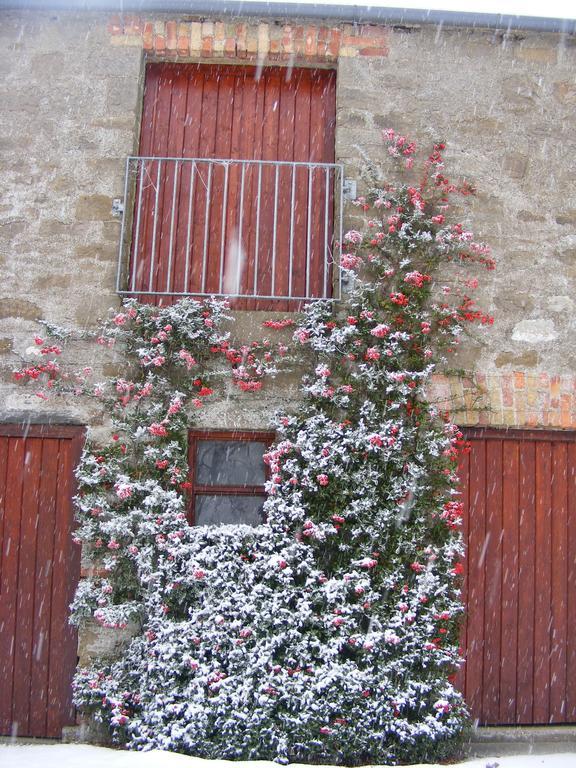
point(228, 474)
point(234, 186)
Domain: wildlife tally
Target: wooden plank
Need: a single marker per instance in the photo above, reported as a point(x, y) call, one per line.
point(301, 154)
point(571, 588)
point(242, 147)
point(147, 133)
point(194, 101)
point(286, 123)
point(43, 588)
point(476, 579)
point(493, 618)
point(4, 448)
point(171, 255)
point(62, 655)
point(224, 255)
point(559, 582)
point(543, 592)
point(319, 121)
point(26, 585)
point(270, 136)
point(253, 148)
point(510, 584)
point(464, 475)
point(9, 584)
point(526, 556)
point(162, 210)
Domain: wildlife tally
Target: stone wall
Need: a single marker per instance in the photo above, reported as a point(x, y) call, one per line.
point(71, 94)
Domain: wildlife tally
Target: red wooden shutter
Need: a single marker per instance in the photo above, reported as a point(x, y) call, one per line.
point(39, 570)
point(519, 492)
point(243, 113)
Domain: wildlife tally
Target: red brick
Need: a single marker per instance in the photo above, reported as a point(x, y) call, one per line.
point(287, 40)
point(148, 36)
point(115, 26)
point(183, 39)
point(373, 51)
point(311, 45)
point(171, 35)
point(160, 44)
point(230, 46)
point(334, 44)
point(241, 40)
point(132, 25)
point(207, 46)
point(507, 392)
point(519, 380)
point(379, 34)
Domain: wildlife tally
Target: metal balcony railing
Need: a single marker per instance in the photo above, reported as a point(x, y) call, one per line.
point(253, 229)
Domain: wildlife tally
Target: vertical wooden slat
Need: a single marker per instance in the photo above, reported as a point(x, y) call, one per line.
point(559, 582)
point(194, 101)
point(476, 579)
point(168, 251)
point(43, 588)
point(151, 116)
point(542, 592)
point(464, 475)
point(59, 678)
point(527, 493)
point(318, 129)
point(301, 154)
point(571, 588)
point(287, 117)
point(508, 662)
point(3, 481)
point(493, 583)
point(26, 584)
point(9, 587)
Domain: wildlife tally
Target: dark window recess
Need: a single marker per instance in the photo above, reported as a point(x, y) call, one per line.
point(228, 473)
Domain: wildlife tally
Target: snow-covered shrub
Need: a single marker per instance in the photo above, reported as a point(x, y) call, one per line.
point(329, 633)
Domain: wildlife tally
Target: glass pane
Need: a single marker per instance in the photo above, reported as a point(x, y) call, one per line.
point(218, 510)
point(230, 462)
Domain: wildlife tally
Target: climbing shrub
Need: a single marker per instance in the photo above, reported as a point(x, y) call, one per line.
point(330, 632)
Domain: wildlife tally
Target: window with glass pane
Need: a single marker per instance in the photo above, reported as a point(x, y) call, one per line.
point(227, 476)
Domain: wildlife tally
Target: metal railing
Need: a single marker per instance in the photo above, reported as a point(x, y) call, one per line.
point(238, 228)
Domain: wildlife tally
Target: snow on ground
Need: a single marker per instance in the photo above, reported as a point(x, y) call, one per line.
point(86, 756)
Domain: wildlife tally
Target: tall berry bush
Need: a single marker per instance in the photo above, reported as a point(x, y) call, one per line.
point(329, 633)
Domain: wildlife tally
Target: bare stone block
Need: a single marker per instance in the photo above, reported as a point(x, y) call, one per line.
point(515, 166)
point(91, 311)
point(530, 216)
point(95, 252)
point(565, 92)
point(94, 208)
point(535, 55)
point(568, 217)
point(5, 345)
point(527, 359)
point(20, 308)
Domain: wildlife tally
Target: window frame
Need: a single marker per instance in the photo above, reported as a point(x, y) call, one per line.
point(195, 436)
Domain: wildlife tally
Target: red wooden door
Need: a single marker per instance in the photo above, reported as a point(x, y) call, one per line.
point(236, 229)
point(519, 492)
point(39, 570)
